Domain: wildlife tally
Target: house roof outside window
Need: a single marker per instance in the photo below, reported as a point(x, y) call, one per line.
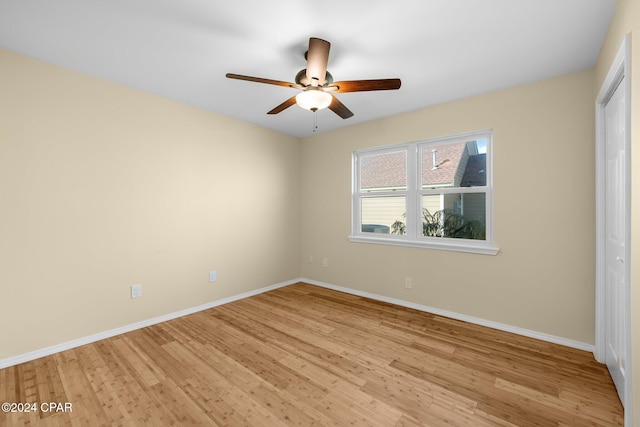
point(454, 165)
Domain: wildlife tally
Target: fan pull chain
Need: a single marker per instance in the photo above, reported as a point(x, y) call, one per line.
point(315, 120)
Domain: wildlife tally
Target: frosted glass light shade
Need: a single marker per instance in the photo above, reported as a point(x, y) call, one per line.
point(313, 99)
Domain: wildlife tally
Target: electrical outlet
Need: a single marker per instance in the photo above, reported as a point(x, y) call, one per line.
point(325, 262)
point(212, 276)
point(408, 282)
point(136, 291)
point(310, 259)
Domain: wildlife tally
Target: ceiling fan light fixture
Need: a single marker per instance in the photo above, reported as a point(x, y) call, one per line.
point(313, 99)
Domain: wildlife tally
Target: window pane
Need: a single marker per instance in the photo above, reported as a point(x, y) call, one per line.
point(383, 214)
point(454, 215)
point(384, 172)
point(461, 164)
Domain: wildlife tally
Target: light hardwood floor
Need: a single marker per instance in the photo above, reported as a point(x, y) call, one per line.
point(308, 356)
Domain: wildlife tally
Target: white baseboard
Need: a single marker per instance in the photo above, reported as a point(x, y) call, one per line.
point(475, 320)
point(26, 357)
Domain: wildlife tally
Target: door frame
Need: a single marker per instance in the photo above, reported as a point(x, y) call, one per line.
point(620, 71)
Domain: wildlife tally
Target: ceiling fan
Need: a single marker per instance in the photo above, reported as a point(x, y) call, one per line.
point(317, 84)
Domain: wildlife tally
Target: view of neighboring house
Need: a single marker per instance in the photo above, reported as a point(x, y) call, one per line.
point(447, 166)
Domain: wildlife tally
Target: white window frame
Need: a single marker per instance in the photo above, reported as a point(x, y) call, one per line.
point(414, 193)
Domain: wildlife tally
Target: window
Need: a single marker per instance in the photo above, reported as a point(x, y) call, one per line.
point(434, 194)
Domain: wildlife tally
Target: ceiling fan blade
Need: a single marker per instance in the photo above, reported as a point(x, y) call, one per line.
point(339, 108)
point(261, 80)
point(286, 104)
point(317, 58)
point(364, 85)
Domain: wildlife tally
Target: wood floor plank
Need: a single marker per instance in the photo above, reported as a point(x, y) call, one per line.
point(303, 355)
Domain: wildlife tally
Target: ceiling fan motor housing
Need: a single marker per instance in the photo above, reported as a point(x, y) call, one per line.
point(301, 78)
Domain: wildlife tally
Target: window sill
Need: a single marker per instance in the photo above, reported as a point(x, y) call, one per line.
point(445, 246)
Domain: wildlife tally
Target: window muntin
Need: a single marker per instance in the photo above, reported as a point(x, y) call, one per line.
point(434, 193)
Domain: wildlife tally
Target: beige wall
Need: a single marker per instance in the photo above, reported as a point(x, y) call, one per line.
point(103, 186)
point(543, 277)
point(627, 21)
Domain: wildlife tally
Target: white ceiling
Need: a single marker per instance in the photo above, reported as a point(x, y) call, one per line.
point(181, 49)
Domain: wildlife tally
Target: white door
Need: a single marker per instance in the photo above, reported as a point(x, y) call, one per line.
point(615, 238)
